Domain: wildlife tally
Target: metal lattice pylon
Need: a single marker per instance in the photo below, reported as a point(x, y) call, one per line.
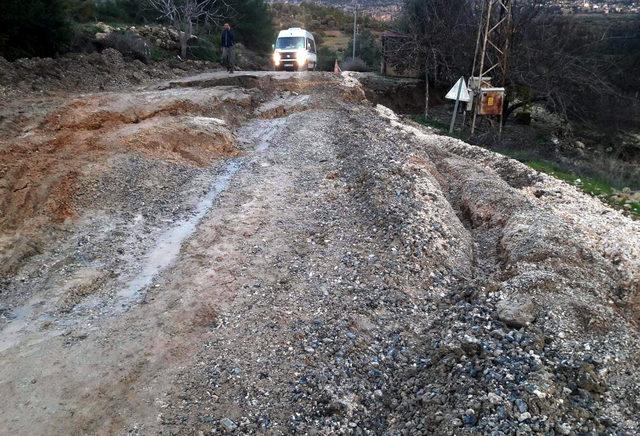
point(492, 46)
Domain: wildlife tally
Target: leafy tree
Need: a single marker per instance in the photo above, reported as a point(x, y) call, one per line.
point(33, 28)
point(367, 48)
point(82, 11)
point(125, 11)
point(252, 23)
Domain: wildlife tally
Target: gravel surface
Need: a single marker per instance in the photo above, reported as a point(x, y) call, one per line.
point(354, 274)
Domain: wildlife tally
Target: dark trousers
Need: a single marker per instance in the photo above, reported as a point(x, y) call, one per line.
point(228, 58)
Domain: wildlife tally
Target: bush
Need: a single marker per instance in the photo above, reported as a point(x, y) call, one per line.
point(82, 11)
point(160, 54)
point(129, 44)
point(125, 11)
point(354, 64)
point(367, 48)
point(84, 39)
point(326, 58)
point(33, 28)
point(204, 50)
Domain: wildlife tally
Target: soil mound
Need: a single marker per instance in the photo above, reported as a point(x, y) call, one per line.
point(107, 70)
point(41, 168)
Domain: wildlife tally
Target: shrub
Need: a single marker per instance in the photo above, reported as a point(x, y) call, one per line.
point(160, 54)
point(204, 50)
point(327, 58)
point(129, 44)
point(367, 48)
point(82, 11)
point(125, 11)
point(354, 64)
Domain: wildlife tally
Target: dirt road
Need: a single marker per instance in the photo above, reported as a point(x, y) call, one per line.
point(270, 253)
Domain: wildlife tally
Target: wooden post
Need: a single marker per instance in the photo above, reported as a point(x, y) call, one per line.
point(426, 91)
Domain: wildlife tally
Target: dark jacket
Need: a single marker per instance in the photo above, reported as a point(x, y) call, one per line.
point(227, 38)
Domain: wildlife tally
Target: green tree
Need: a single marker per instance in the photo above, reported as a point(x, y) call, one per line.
point(367, 48)
point(126, 11)
point(82, 11)
point(33, 28)
point(252, 23)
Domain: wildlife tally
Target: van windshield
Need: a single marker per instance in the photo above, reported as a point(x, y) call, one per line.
point(290, 42)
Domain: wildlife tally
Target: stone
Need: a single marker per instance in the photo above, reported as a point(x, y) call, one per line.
point(517, 314)
point(563, 429)
point(494, 398)
point(228, 424)
point(469, 420)
point(521, 405)
point(524, 416)
point(589, 380)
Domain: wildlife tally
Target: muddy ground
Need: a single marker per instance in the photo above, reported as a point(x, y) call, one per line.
point(270, 253)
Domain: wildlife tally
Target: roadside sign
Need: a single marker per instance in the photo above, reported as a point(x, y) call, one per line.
point(459, 92)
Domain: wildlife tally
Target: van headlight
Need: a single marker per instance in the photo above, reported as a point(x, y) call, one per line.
point(301, 57)
point(276, 58)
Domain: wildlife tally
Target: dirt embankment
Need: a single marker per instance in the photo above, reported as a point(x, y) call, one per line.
point(79, 72)
point(43, 167)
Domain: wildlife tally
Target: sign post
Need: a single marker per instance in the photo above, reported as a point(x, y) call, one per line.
point(459, 93)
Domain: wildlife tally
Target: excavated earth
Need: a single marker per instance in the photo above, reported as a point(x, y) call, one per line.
point(271, 253)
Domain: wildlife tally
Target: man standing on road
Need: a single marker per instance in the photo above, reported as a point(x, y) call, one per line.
point(227, 47)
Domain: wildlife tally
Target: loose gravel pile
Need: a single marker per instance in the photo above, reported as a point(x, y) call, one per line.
point(355, 274)
point(430, 288)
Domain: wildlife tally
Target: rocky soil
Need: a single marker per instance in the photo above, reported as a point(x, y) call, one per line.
point(271, 253)
point(79, 72)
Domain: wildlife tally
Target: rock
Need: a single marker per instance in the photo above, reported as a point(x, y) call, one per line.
point(563, 429)
point(524, 416)
point(494, 398)
point(469, 420)
point(589, 380)
point(521, 405)
point(517, 313)
point(228, 424)
point(105, 28)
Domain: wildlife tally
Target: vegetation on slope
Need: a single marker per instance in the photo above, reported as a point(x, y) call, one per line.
point(47, 28)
